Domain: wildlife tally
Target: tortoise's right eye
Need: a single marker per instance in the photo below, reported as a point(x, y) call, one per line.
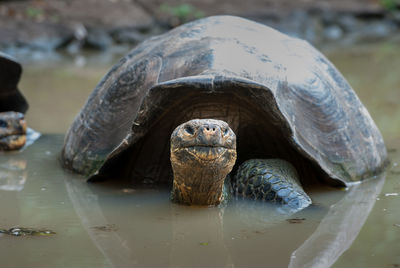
point(189, 129)
point(3, 123)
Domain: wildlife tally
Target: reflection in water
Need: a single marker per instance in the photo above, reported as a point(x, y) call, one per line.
point(190, 243)
point(339, 227)
point(169, 235)
point(86, 206)
point(41, 205)
point(13, 174)
point(13, 171)
point(190, 233)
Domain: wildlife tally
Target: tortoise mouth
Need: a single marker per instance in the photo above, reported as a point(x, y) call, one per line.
point(12, 134)
point(205, 152)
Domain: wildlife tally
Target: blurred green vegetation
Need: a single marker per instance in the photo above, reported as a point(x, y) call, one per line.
point(33, 12)
point(390, 4)
point(183, 12)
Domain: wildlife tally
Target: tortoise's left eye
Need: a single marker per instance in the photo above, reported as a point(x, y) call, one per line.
point(189, 130)
point(225, 131)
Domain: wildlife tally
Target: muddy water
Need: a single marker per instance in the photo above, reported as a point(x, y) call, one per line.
point(112, 224)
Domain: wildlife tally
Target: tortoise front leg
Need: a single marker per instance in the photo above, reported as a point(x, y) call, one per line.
point(272, 180)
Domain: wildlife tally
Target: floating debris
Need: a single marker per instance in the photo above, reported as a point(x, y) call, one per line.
point(128, 190)
point(296, 220)
point(106, 228)
point(22, 231)
point(391, 194)
point(203, 243)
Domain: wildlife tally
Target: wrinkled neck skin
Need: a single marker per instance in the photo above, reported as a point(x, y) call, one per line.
point(197, 184)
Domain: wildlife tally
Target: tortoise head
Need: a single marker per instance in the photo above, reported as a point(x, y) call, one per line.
point(12, 131)
point(203, 152)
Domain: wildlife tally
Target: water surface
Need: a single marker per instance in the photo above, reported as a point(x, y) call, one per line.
point(113, 224)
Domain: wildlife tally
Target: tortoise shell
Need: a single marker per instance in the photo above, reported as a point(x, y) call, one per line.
point(10, 97)
point(281, 96)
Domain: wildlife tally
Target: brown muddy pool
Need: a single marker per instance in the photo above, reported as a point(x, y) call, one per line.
point(115, 225)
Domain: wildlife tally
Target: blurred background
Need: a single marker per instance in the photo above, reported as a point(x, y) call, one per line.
point(40, 28)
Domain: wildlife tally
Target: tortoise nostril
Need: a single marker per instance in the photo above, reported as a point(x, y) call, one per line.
point(210, 129)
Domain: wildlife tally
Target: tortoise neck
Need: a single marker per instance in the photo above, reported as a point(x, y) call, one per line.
point(204, 189)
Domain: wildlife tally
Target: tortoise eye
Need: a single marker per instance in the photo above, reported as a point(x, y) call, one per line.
point(189, 130)
point(225, 130)
point(3, 123)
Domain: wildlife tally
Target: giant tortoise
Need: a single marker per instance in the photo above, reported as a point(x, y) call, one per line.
point(12, 105)
point(233, 90)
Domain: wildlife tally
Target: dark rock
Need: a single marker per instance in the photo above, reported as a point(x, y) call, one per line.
point(98, 39)
point(328, 18)
point(380, 29)
point(128, 36)
point(36, 36)
point(333, 33)
point(349, 23)
point(47, 43)
point(395, 16)
point(314, 30)
point(295, 26)
point(299, 23)
point(372, 31)
point(74, 47)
